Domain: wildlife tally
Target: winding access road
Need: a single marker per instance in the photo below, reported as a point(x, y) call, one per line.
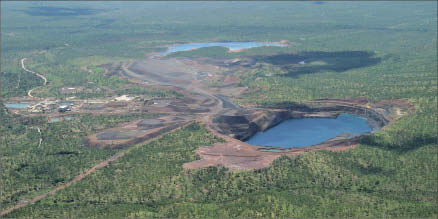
point(29, 93)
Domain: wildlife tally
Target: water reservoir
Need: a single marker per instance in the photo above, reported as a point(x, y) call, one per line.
point(17, 105)
point(310, 131)
point(229, 45)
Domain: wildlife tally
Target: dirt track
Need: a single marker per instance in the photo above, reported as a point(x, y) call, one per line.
point(29, 93)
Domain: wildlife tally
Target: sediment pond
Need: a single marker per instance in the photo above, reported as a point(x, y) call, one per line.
point(311, 131)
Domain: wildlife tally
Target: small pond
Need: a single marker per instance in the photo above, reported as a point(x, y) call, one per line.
point(54, 119)
point(310, 131)
point(229, 45)
point(17, 105)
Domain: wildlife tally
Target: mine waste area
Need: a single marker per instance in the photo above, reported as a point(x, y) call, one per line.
point(206, 88)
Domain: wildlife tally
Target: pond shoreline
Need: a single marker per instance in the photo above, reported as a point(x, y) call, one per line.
point(304, 132)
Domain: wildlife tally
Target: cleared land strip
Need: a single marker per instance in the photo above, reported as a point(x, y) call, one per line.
point(41, 139)
point(29, 93)
point(81, 176)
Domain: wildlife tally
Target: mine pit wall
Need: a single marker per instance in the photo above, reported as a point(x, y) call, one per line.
point(244, 126)
point(375, 119)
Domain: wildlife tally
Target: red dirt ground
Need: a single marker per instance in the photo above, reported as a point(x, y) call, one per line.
point(238, 155)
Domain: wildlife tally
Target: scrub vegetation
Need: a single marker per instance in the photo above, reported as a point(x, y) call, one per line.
point(30, 168)
point(377, 50)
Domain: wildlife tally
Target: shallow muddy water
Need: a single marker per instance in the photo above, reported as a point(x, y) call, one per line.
point(229, 45)
point(310, 131)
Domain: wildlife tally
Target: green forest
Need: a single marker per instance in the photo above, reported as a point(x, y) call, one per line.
point(376, 50)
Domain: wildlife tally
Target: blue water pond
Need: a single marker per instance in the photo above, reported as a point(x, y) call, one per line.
point(229, 45)
point(17, 105)
point(310, 131)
